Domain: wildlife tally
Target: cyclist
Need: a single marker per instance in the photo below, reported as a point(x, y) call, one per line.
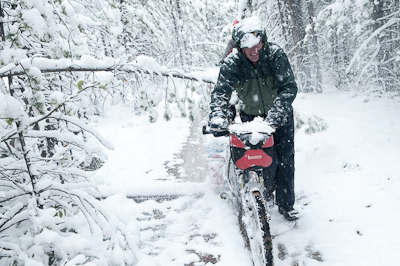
point(261, 75)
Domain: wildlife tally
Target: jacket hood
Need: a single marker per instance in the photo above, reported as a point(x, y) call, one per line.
point(248, 33)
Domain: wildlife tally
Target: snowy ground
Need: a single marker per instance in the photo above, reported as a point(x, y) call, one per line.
point(347, 187)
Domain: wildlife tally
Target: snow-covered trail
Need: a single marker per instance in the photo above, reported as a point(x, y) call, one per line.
point(347, 187)
point(167, 158)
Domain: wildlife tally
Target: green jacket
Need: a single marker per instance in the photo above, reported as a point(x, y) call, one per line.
point(270, 84)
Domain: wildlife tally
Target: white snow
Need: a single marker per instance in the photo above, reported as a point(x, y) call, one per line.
point(347, 187)
point(347, 178)
point(11, 108)
point(104, 77)
point(249, 40)
point(255, 127)
point(34, 19)
point(150, 63)
point(250, 25)
point(140, 150)
point(10, 56)
point(57, 97)
point(45, 64)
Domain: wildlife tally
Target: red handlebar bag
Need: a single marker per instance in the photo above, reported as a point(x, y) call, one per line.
point(247, 156)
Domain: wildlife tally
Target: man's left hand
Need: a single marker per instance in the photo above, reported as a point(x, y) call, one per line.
point(276, 118)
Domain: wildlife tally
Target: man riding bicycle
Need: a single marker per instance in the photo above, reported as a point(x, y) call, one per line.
point(261, 75)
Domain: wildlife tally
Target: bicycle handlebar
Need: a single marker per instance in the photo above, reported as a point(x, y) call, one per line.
point(206, 130)
point(215, 132)
point(225, 132)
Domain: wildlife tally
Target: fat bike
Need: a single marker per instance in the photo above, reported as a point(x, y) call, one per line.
point(249, 152)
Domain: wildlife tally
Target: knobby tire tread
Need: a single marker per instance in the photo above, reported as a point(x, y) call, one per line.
point(263, 221)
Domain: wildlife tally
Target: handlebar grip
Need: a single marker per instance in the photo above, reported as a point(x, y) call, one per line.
point(206, 130)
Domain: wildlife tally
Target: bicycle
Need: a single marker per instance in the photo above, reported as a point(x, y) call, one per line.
point(249, 152)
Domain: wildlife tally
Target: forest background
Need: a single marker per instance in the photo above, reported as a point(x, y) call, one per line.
point(63, 62)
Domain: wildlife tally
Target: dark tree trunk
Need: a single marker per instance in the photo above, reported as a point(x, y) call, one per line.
point(377, 14)
point(178, 28)
point(297, 32)
point(316, 67)
point(283, 20)
point(395, 45)
point(2, 33)
point(24, 150)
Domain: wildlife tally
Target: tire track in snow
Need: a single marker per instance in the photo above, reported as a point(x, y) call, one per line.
point(191, 230)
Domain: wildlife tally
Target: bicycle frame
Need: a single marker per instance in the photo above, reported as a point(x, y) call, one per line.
point(248, 155)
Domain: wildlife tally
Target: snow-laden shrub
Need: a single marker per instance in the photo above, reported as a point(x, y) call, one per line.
point(310, 123)
point(51, 210)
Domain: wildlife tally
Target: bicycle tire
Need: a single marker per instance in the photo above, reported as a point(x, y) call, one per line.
point(259, 232)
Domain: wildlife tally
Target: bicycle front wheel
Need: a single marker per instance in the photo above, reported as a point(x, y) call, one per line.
point(258, 231)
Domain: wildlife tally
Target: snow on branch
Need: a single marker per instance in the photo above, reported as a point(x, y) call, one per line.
point(85, 127)
point(143, 64)
point(366, 42)
point(69, 119)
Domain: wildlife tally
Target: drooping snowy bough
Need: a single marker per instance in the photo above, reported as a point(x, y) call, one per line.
point(61, 66)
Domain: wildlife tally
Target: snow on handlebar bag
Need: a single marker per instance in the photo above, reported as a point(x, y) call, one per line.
point(249, 156)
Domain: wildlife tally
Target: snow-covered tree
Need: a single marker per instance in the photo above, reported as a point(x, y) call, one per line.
point(49, 202)
point(359, 40)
